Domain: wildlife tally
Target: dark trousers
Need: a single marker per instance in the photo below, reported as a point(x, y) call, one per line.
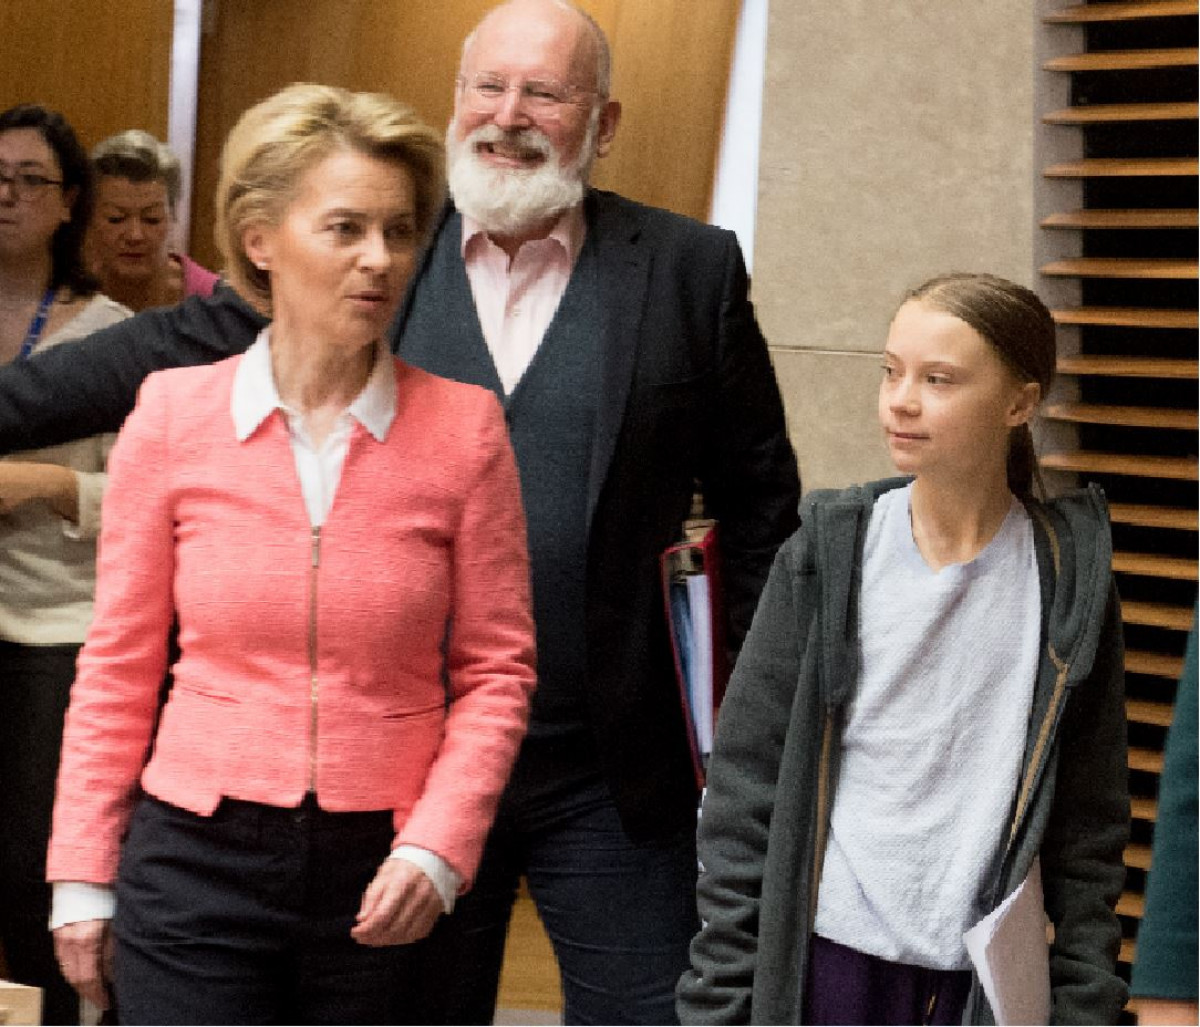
point(619, 915)
point(35, 685)
point(845, 986)
point(244, 917)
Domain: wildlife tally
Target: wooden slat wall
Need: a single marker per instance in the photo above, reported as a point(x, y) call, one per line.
point(670, 66)
point(104, 63)
point(1118, 259)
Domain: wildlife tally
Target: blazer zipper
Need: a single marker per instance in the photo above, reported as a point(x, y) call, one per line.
point(313, 684)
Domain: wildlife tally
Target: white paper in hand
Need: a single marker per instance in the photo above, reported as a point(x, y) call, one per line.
point(1008, 948)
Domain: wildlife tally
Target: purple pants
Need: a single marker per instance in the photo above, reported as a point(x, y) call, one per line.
point(846, 986)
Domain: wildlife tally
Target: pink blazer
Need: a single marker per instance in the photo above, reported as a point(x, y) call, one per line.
point(426, 530)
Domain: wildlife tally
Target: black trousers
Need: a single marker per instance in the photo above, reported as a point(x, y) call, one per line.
point(35, 685)
point(619, 914)
point(244, 917)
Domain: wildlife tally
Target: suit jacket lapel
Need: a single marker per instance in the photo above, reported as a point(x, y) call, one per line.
point(438, 328)
point(622, 275)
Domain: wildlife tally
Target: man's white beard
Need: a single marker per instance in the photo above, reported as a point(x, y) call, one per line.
point(509, 201)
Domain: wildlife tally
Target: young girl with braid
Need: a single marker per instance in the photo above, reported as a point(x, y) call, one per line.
point(929, 701)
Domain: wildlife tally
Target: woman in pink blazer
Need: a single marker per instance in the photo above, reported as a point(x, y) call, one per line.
point(341, 541)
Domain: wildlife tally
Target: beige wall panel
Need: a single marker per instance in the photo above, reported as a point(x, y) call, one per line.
point(830, 404)
point(897, 143)
point(671, 62)
point(104, 63)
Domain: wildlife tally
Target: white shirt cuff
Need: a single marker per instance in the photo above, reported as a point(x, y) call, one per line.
point(89, 487)
point(444, 879)
point(74, 901)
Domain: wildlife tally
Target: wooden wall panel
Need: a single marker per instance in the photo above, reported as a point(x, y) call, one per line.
point(670, 70)
point(671, 62)
point(1118, 258)
point(104, 63)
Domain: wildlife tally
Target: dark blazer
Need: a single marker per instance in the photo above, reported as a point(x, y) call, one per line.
point(689, 396)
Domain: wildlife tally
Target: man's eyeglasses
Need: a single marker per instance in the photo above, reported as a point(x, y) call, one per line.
point(25, 184)
point(484, 93)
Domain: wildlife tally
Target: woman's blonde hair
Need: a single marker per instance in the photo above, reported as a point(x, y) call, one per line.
point(276, 141)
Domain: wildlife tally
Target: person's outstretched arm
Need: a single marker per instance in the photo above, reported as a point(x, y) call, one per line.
point(88, 386)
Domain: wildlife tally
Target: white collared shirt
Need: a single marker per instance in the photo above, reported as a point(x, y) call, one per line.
point(253, 398)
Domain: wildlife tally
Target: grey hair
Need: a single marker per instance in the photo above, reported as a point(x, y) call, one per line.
point(138, 156)
point(603, 50)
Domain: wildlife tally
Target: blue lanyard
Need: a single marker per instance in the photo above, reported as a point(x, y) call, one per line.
point(36, 325)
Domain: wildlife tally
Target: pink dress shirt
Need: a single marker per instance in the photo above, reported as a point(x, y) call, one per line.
point(516, 300)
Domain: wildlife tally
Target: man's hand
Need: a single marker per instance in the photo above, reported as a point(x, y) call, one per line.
point(84, 952)
point(400, 906)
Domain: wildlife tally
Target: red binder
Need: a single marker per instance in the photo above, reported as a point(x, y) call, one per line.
point(692, 598)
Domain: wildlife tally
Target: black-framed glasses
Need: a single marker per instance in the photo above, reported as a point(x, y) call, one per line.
point(25, 184)
point(484, 93)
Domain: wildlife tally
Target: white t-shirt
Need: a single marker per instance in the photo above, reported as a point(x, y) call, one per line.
point(933, 741)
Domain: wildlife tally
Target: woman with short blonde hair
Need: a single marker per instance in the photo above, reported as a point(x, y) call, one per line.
point(341, 539)
point(275, 142)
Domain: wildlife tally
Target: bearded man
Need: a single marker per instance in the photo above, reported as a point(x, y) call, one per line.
point(622, 343)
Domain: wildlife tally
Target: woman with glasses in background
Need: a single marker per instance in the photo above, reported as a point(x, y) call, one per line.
point(129, 241)
point(49, 520)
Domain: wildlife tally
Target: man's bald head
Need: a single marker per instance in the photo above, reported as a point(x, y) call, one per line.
point(593, 53)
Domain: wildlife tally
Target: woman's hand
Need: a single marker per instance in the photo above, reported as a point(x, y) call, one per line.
point(84, 952)
point(400, 906)
point(22, 482)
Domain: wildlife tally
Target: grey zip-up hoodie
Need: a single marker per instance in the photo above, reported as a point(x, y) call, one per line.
point(773, 773)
